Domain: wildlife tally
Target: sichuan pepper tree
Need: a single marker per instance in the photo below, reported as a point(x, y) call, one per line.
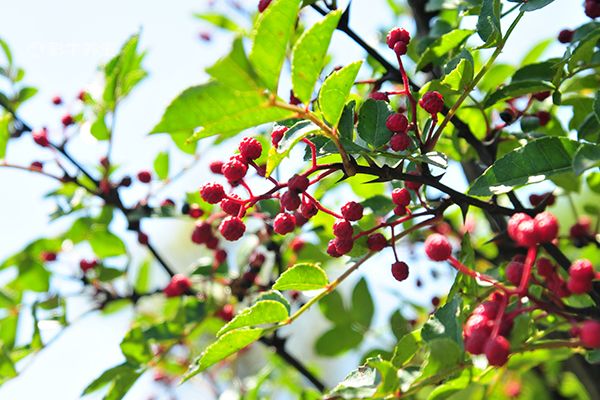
point(521, 319)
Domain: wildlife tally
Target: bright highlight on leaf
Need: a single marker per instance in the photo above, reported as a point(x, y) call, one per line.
point(302, 277)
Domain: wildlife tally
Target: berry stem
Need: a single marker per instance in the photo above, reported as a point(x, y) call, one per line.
point(460, 267)
point(531, 255)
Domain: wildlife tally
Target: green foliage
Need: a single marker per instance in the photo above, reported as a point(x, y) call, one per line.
point(302, 277)
point(335, 92)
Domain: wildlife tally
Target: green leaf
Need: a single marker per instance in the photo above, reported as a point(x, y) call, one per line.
point(142, 280)
point(460, 76)
point(584, 51)
point(161, 165)
point(309, 55)
point(371, 122)
point(4, 134)
point(399, 325)
point(388, 376)
point(261, 313)
point(488, 23)
point(291, 138)
point(234, 70)
point(362, 304)
point(121, 385)
point(406, 349)
point(337, 340)
point(534, 162)
point(106, 244)
point(123, 72)
point(543, 71)
point(359, 384)
point(335, 92)
point(270, 38)
point(302, 277)
point(220, 21)
point(516, 89)
point(532, 5)
point(218, 110)
point(275, 296)
point(226, 345)
point(332, 307)
point(346, 125)
point(589, 129)
point(436, 51)
point(445, 323)
point(107, 377)
point(380, 205)
point(444, 354)
point(99, 129)
point(587, 156)
point(597, 105)
point(135, 347)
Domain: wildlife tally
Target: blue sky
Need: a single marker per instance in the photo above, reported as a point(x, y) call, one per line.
point(60, 45)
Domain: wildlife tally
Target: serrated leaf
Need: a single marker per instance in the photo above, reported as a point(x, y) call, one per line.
point(406, 349)
point(444, 354)
point(309, 54)
point(335, 92)
point(234, 70)
point(460, 76)
point(587, 156)
point(161, 165)
point(371, 122)
point(535, 162)
point(270, 38)
point(516, 89)
point(220, 21)
point(218, 110)
point(362, 304)
point(275, 296)
point(135, 347)
point(443, 45)
point(445, 323)
point(291, 138)
point(263, 312)
point(303, 276)
point(226, 345)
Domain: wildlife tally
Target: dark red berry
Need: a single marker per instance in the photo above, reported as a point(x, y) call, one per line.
point(67, 120)
point(178, 285)
point(143, 238)
point(590, 334)
point(412, 185)
point(215, 167)
point(226, 313)
point(263, 4)
point(397, 35)
point(284, 223)
point(250, 148)
point(400, 210)
point(297, 244)
point(308, 210)
point(497, 350)
point(41, 137)
point(212, 243)
point(343, 229)
point(278, 134)
point(432, 102)
point(400, 271)
point(232, 228)
point(379, 96)
point(475, 343)
point(57, 100)
point(401, 197)
point(256, 260)
point(400, 142)
point(48, 256)
point(352, 211)
point(290, 200)
point(81, 96)
point(36, 166)
point(437, 247)
point(144, 176)
point(331, 249)
point(202, 232)
point(220, 256)
point(579, 286)
point(234, 169)
point(195, 211)
point(212, 193)
point(545, 267)
point(376, 242)
point(400, 48)
point(514, 272)
point(541, 96)
point(298, 183)
point(582, 270)
point(522, 229)
point(231, 205)
point(397, 123)
point(487, 309)
point(546, 227)
point(343, 245)
point(544, 117)
point(581, 229)
point(86, 265)
point(592, 8)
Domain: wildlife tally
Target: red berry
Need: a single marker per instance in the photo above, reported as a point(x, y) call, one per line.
point(256, 260)
point(592, 8)
point(514, 222)
point(41, 137)
point(343, 245)
point(250, 148)
point(582, 269)
point(400, 210)
point(397, 123)
point(143, 238)
point(234, 169)
point(36, 166)
point(48, 256)
point(167, 203)
point(401, 197)
point(400, 48)
point(477, 322)
point(400, 271)
point(437, 247)
point(87, 265)
point(376, 242)
point(379, 96)
point(290, 200)
point(297, 244)
point(284, 223)
point(230, 206)
point(546, 227)
point(212, 243)
point(81, 95)
point(412, 185)
point(226, 313)
point(331, 249)
point(195, 211)
point(432, 102)
point(232, 228)
point(178, 285)
point(579, 286)
point(590, 334)
point(278, 134)
point(263, 4)
point(144, 176)
point(487, 309)
point(343, 229)
point(497, 350)
point(545, 267)
point(352, 211)
point(514, 272)
point(215, 167)
point(220, 256)
point(212, 193)
point(397, 35)
point(308, 210)
point(67, 120)
point(202, 232)
point(298, 183)
point(544, 117)
point(541, 96)
point(522, 229)
point(400, 142)
point(56, 100)
point(475, 343)
point(581, 229)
